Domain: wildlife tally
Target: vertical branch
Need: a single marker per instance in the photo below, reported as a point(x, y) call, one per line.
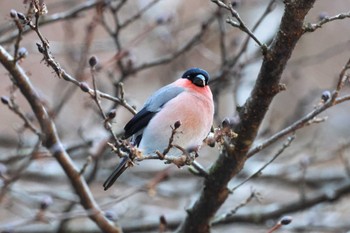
point(222, 36)
point(232, 160)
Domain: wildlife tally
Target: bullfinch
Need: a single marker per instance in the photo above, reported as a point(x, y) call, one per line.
point(189, 101)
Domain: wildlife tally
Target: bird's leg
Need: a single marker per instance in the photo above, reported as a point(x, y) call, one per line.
point(126, 150)
point(186, 158)
point(219, 136)
point(161, 155)
point(180, 161)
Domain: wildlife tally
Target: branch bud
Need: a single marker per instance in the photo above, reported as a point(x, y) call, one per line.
point(177, 124)
point(111, 114)
point(322, 15)
point(93, 61)
point(5, 100)
point(13, 14)
point(110, 215)
point(84, 87)
point(285, 220)
point(21, 16)
point(326, 95)
point(46, 202)
point(235, 3)
point(22, 52)
point(40, 48)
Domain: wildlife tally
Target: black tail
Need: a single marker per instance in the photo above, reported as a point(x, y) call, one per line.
point(122, 166)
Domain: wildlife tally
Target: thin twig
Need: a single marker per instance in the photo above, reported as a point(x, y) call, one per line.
point(222, 36)
point(27, 122)
point(321, 56)
point(107, 124)
point(19, 171)
point(69, 14)
point(310, 117)
point(52, 142)
point(96, 96)
point(253, 215)
point(311, 27)
point(244, 46)
point(174, 128)
point(185, 48)
point(18, 39)
point(292, 128)
point(138, 14)
point(258, 172)
point(239, 23)
point(222, 217)
point(231, 62)
point(341, 80)
point(276, 210)
point(86, 164)
point(44, 49)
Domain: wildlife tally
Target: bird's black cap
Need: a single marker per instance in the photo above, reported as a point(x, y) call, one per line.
point(198, 76)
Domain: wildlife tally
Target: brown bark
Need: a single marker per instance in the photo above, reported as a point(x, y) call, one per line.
point(232, 160)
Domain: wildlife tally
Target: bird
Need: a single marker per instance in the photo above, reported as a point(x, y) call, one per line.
point(188, 101)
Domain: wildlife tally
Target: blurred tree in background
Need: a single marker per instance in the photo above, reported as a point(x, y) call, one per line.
point(74, 72)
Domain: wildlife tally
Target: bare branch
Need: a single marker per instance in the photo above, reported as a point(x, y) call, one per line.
point(231, 161)
point(53, 143)
point(310, 117)
point(16, 109)
point(276, 211)
point(311, 27)
point(71, 13)
point(185, 48)
point(19, 171)
point(341, 80)
point(138, 15)
point(221, 218)
point(61, 73)
point(258, 172)
point(262, 214)
point(239, 24)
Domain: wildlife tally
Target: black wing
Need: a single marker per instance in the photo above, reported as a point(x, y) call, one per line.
point(138, 122)
point(151, 107)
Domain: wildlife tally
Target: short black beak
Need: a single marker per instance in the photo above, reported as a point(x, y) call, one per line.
point(199, 80)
